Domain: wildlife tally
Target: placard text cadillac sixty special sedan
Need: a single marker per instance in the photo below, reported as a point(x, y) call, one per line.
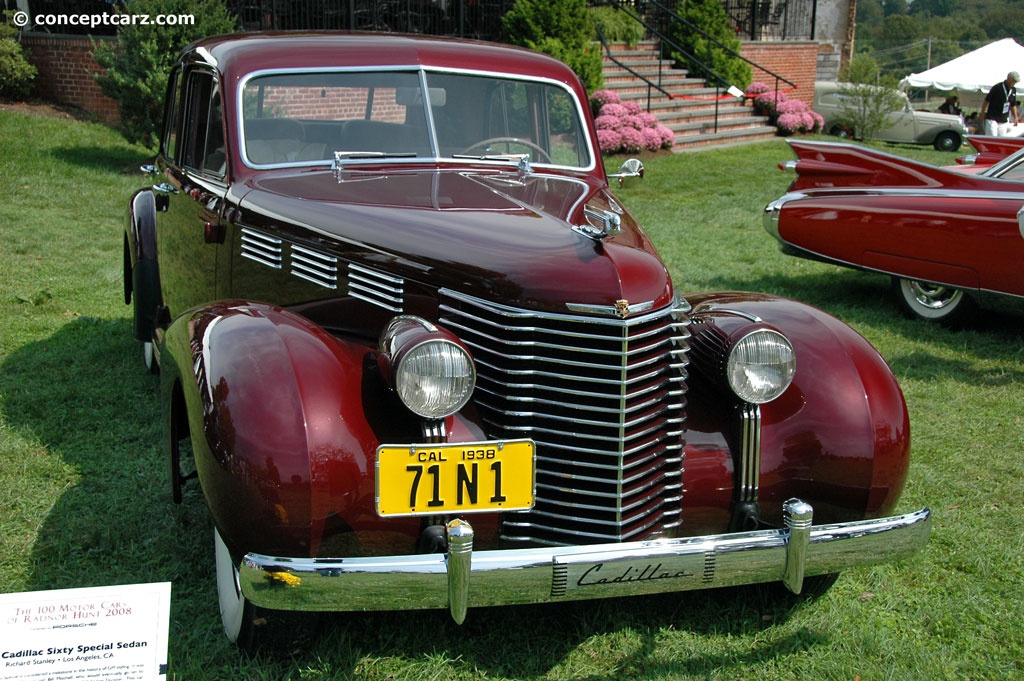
point(419, 356)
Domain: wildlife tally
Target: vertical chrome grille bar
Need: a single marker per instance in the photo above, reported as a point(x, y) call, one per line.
point(603, 398)
point(750, 451)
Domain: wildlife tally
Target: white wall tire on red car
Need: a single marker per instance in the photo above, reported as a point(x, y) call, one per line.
point(235, 610)
point(934, 302)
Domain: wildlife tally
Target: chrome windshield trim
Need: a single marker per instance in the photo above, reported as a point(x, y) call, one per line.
point(422, 72)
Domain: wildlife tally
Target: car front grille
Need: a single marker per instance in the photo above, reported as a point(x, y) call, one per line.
point(605, 401)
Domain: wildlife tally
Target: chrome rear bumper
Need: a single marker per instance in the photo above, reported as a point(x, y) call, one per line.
point(462, 578)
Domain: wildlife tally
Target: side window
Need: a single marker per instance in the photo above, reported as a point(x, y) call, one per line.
point(202, 145)
point(169, 143)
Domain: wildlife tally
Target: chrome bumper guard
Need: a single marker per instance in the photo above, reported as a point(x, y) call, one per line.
point(462, 578)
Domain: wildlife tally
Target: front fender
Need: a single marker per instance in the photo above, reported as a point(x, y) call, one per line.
point(276, 409)
point(839, 437)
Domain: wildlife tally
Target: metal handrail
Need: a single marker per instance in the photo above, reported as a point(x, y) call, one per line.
point(635, 74)
point(665, 40)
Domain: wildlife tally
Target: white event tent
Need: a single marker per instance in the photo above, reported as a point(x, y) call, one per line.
point(975, 71)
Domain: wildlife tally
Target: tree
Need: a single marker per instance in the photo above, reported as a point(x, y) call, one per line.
point(561, 28)
point(16, 73)
point(139, 62)
point(868, 98)
point(714, 55)
point(1006, 22)
point(935, 8)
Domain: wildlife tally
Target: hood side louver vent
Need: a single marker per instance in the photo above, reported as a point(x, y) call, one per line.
point(262, 248)
point(375, 287)
point(319, 268)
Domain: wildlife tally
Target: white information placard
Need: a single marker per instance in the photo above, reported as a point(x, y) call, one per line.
point(108, 633)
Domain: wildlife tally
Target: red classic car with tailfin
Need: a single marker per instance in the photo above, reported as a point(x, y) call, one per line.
point(951, 240)
point(418, 355)
point(989, 150)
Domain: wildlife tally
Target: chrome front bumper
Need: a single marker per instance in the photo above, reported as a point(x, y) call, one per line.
point(462, 578)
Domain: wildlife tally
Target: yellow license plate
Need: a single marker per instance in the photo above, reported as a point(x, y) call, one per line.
point(455, 478)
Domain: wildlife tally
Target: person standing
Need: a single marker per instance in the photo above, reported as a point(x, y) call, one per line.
point(1000, 107)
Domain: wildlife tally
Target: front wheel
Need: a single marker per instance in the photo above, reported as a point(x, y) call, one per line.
point(947, 141)
point(934, 302)
point(252, 628)
point(236, 613)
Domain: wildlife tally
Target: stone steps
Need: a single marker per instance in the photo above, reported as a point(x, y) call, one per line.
point(698, 115)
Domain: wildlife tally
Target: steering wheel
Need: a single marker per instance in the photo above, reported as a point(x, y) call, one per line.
point(508, 142)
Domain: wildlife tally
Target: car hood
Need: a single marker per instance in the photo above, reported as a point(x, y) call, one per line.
point(502, 236)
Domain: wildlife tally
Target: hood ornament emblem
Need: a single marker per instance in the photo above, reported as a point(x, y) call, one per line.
point(620, 309)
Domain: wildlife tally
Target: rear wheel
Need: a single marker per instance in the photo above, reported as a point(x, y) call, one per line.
point(934, 302)
point(840, 131)
point(149, 357)
point(947, 141)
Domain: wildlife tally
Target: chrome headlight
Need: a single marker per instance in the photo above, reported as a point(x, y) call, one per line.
point(761, 366)
point(430, 370)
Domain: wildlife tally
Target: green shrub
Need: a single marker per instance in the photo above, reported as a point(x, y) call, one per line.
point(868, 98)
point(16, 74)
point(709, 56)
point(139, 62)
point(617, 26)
point(563, 29)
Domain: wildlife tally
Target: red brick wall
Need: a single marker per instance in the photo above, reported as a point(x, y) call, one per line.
point(796, 61)
point(67, 74)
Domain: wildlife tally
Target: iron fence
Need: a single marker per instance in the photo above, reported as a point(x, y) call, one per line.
point(772, 19)
point(751, 19)
point(462, 18)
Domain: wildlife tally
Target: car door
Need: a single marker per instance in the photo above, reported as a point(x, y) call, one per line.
point(190, 195)
point(901, 125)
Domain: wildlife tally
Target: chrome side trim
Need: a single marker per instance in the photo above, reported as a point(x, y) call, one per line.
point(557, 574)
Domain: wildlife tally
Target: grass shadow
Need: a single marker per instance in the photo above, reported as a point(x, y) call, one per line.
point(123, 160)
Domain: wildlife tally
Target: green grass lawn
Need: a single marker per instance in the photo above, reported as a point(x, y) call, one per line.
point(84, 495)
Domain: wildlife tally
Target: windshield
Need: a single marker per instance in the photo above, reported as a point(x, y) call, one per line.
point(299, 118)
point(1010, 168)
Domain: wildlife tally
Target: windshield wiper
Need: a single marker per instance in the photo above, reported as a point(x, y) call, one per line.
point(508, 158)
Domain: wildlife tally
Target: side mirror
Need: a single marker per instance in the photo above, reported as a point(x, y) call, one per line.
point(630, 172)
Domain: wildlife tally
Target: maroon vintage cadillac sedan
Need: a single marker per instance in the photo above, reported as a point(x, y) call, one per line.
point(423, 358)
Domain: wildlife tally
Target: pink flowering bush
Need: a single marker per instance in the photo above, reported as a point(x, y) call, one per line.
point(632, 140)
point(791, 116)
point(624, 127)
point(602, 97)
point(610, 141)
point(757, 88)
